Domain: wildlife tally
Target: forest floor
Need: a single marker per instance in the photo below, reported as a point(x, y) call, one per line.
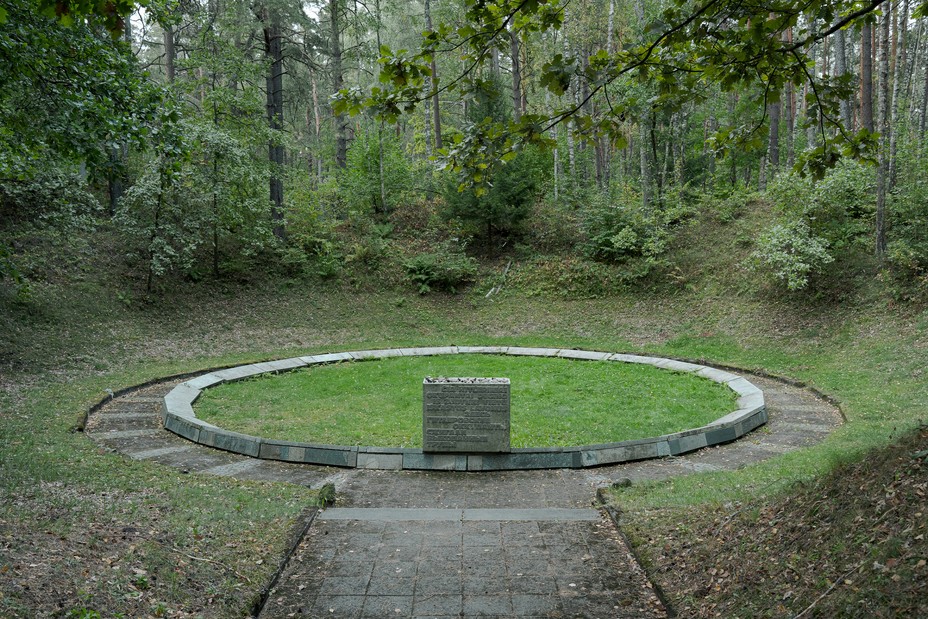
point(134, 539)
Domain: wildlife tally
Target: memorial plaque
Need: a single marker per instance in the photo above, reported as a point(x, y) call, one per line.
point(465, 415)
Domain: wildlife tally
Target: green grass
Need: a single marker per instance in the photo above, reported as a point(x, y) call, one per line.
point(60, 351)
point(553, 401)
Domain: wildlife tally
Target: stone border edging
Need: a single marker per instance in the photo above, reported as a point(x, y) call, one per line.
point(179, 418)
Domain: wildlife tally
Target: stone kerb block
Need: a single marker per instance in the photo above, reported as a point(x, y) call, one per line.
point(532, 352)
point(483, 350)
point(428, 351)
point(679, 366)
point(179, 401)
point(587, 355)
point(719, 376)
point(309, 453)
point(230, 441)
point(187, 427)
point(375, 354)
point(327, 358)
point(238, 373)
point(203, 381)
point(380, 461)
point(461, 415)
point(636, 359)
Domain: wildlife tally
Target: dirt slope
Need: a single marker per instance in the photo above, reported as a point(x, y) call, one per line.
point(851, 544)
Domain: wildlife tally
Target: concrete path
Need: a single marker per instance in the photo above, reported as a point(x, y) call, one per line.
point(433, 544)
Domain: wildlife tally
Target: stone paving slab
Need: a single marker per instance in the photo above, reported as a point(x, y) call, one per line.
point(147, 454)
point(400, 514)
point(346, 568)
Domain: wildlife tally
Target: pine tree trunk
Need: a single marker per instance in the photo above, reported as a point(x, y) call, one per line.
point(790, 125)
point(883, 118)
point(866, 78)
point(275, 116)
point(811, 123)
point(646, 171)
point(516, 77)
point(341, 123)
point(433, 81)
point(898, 67)
point(733, 172)
point(610, 26)
point(170, 55)
point(841, 69)
point(571, 154)
point(773, 144)
point(924, 110)
point(911, 73)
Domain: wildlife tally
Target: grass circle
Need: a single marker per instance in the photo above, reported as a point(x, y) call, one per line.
point(554, 402)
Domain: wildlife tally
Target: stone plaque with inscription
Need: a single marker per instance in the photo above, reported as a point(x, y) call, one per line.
point(465, 415)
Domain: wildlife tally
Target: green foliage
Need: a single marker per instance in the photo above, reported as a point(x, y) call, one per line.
point(202, 192)
point(729, 205)
point(83, 613)
point(446, 268)
point(10, 272)
point(362, 178)
point(820, 221)
point(50, 198)
point(511, 192)
point(790, 253)
point(573, 277)
point(908, 245)
point(67, 94)
point(838, 208)
point(627, 233)
point(552, 227)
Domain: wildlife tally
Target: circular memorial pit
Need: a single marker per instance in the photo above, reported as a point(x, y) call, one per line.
point(483, 408)
point(554, 402)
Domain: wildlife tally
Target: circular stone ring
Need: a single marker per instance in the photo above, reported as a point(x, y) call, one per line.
point(180, 419)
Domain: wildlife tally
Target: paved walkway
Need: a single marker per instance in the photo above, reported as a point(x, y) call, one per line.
point(434, 544)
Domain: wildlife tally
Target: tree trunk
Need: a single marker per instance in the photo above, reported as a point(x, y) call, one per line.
point(841, 69)
point(275, 117)
point(516, 77)
point(733, 173)
point(790, 124)
point(898, 68)
point(812, 123)
point(883, 164)
point(773, 144)
point(610, 26)
point(924, 110)
point(866, 78)
point(647, 172)
point(341, 123)
point(571, 154)
point(762, 174)
point(170, 55)
point(910, 73)
point(433, 81)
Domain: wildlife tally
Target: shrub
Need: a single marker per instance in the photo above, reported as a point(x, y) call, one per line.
point(837, 208)
point(361, 180)
point(502, 209)
point(52, 198)
point(447, 267)
point(908, 234)
point(790, 253)
point(618, 232)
